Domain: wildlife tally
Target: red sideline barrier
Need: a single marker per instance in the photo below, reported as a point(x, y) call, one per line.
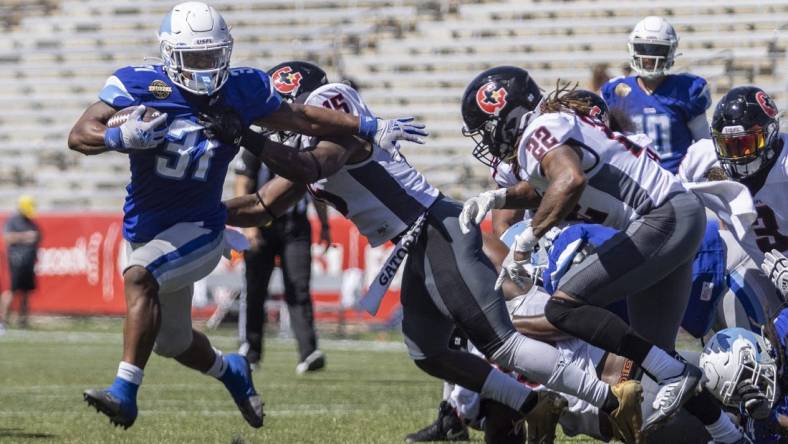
point(79, 267)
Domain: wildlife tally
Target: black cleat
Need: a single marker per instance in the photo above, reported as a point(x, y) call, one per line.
point(447, 427)
point(120, 413)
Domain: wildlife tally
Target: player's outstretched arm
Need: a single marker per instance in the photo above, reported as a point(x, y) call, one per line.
point(304, 166)
point(321, 122)
point(87, 135)
point(269, 202)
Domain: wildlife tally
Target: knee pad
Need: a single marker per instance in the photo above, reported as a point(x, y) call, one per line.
point(558, 309)
point(170, 344)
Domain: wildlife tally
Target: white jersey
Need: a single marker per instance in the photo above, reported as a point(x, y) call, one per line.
point(504, 175)
point(381, 195)
point(624, 180)
point(770, 230)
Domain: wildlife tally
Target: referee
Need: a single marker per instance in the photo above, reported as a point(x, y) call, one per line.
point(290, 239)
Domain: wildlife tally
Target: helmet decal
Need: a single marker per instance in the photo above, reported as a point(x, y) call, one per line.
point(766, 103)
point(594, 111)
point(491, 100)
point(286, 81)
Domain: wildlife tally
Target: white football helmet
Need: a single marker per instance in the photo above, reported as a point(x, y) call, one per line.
point(652, 47)
point(195, 47)
point(734, 355)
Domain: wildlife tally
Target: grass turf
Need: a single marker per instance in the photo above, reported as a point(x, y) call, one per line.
point(370, 392)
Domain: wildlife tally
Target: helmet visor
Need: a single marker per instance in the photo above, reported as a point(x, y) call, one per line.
point(739, 145)
point(652, 49)
point(203, 59)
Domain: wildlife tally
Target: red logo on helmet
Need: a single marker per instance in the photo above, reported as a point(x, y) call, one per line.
point(286, 81)
point(766, 104)
point(595, 111)
point(491, 100)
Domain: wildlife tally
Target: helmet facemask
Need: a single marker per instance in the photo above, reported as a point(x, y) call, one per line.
point(496, 139)
point(743, 153)
point(761, 375)
point(651, 59)
point(199, 69)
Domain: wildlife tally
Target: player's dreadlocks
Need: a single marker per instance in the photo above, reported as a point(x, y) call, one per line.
point(561, 99)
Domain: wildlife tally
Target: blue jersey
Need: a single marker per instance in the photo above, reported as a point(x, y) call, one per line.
point(182, 179)
point(663, 115)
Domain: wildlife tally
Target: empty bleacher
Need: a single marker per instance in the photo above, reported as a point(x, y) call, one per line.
point(409, 57)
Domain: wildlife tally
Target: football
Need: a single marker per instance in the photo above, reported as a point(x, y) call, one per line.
point(120, 117)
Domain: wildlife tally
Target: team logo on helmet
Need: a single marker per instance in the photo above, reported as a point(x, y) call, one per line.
point(595, 111)
point(767, 105)
point(491, 100)
point(286, 81)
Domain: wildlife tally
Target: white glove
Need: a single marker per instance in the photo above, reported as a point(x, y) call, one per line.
point(476, 208)
point(775, 265)
point(390, 132)
point(519, 271)
point(135, 133)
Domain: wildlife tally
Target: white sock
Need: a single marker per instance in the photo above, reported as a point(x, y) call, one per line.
point(724, 430)
point(503, 388)
point(129, 372)
point(661, 365)
point(219, 366)
point(448, 387)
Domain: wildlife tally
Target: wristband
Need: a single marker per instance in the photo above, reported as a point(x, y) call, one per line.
point(367, 127)
point(113, 139)
point(525, 241)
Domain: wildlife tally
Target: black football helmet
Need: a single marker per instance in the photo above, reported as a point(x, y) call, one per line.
point(492, 107)
point(294, 80)
point(598, 107)
point(745, 130)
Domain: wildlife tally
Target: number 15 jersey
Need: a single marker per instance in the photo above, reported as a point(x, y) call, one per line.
point(624, 180)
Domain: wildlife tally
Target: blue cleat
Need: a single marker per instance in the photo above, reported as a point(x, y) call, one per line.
point(119, 402)
point(238, 380)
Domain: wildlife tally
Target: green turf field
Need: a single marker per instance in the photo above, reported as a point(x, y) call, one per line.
point(369, 393)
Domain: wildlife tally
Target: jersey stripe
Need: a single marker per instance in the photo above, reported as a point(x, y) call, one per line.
point(374, 177)
point(620, 186)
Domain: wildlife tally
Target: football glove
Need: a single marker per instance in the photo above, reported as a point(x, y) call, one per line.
point(135, 133)
point(775, 265)
point(476, 208)
point(753, 403)
point(388, 133)
point(517, 264)
point(223, 125)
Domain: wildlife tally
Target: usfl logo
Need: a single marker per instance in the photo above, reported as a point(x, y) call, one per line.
point(286, 81)
point(491, 99)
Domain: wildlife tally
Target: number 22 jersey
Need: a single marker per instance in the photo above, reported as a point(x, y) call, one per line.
point(624, 180)
point(181, 180)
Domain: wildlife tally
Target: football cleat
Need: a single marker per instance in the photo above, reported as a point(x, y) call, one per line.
point(543, 418)
point(672, 394)
point(237, 378)
point(627, 419)
point(447, 427)
point(121, 410)
point(315, 361)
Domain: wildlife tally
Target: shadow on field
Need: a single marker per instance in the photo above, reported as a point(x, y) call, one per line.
point(21, 433)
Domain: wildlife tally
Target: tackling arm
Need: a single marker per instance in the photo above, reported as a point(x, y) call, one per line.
point(87, 135)
point(311, 121)
point(562, 168)
point(261, 208)
point(303, 166)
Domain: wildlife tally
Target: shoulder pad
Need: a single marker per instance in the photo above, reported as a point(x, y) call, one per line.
point(127, 86)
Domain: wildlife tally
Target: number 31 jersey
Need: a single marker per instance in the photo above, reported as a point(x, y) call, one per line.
point(624, 180)
point(181, 180)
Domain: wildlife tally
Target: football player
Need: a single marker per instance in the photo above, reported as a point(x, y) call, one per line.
point(669, 108)
point(447, 279)
point(746, 146)
point(571, 161)
point(173, 216)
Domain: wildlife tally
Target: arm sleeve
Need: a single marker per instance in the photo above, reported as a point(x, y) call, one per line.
point(263, 98)
point(115, 93)
point(699, 127)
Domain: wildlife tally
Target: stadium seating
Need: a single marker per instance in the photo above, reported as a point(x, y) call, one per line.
point(409, 57)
